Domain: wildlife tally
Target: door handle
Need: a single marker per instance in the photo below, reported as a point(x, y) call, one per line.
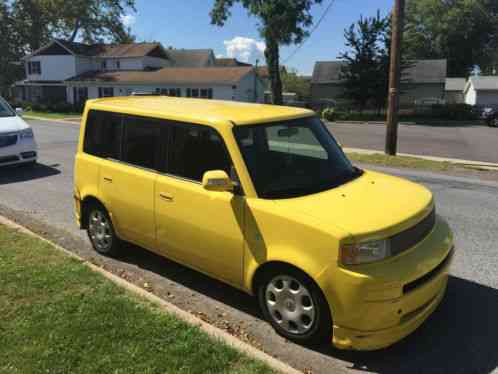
point(166, 196)
point(107, 179)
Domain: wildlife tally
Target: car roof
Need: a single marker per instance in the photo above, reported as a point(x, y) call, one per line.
point(215, 112)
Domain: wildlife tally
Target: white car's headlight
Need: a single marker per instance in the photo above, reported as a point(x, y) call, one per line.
point(26, 134)
point(364, 253)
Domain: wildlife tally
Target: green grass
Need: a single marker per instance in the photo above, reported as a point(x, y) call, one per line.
point(57, 316)
point(50, 115)
point(402, 161)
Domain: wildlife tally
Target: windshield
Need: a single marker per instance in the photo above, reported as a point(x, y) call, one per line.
point(293, 158)
point(5, 109)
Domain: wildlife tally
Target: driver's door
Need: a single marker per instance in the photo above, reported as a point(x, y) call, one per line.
point(199, 228)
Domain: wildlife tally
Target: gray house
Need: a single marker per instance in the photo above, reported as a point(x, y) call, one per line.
point(482, 91)
point(425, 80)
point(453, 90)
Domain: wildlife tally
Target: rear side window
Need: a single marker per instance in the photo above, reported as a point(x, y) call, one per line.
point(103, 134)
point(141, 141)
point(196, 149)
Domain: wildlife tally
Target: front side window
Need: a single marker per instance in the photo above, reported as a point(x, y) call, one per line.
point(293, 158)
point(141, 141)
point(103, 134)
point(196, 149)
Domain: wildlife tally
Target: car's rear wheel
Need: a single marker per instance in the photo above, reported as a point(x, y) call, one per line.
point(295, 306)
point(101, 231)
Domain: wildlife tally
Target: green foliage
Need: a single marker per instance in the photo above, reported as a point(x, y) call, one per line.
point(10, 50)
point(58, 316)
point(281, 22)
point(452, 112)
point(366, 74)
point(293, 82)
point(329, 114)
point(463, 31)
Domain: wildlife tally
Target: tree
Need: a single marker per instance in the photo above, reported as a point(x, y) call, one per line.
point(367, 62)
point(11, 53)
point(463, 31)
point(292, 82)
point(366, 73)
point(281, 22)
point(37, 21)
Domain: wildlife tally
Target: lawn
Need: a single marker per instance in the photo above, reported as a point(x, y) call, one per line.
point(402, 161)
point(58, 316)
point(50, 115)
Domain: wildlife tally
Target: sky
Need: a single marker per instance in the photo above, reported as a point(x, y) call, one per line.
point(186, 24)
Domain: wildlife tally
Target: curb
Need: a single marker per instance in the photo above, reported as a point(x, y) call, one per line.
point(211, 330)
point(53, 120)
point(478, 164)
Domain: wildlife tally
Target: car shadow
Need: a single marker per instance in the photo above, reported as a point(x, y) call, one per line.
point(460, 337)
point(189, 278)
point(24, 173)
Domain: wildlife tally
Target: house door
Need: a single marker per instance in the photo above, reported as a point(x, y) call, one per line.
point(80, 95)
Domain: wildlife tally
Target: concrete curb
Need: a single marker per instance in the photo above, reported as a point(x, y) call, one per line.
point(211, 330)
point(477, 164)
point(53, 120)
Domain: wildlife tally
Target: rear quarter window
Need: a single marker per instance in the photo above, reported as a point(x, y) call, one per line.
point(103, 134)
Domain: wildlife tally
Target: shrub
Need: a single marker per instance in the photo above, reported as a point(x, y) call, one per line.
point(329, 114)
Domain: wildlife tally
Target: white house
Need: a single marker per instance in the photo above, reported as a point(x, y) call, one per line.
point(482, 91)
point(73, 72)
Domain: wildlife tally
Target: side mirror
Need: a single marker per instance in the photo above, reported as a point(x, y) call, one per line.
point(19, 111)
point(217, 180)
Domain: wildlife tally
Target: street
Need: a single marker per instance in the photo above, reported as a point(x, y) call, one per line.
point(460, 337)
point(479, 143)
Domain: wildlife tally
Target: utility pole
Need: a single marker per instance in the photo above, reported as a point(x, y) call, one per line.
point(395, 77)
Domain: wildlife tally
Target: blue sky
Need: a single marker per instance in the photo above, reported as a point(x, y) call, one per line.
point(186, 24)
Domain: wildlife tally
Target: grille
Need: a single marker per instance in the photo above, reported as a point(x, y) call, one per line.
point(7, 140)
point(408, 238)
point(427, 277)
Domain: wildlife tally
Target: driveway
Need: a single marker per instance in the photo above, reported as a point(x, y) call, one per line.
point(477, 143)
point(460, 337)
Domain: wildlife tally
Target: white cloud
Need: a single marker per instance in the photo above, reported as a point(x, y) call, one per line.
point(244, 49)
point(128, 20)
point(220, 56)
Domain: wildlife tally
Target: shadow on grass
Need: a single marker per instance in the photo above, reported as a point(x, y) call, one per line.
point(24, 173)
point(460, 337)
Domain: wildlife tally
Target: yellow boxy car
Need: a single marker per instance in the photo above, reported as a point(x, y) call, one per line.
point(263, 198)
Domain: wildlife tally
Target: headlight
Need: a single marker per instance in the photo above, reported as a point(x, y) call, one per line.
point(364, 253)
point(26, 134)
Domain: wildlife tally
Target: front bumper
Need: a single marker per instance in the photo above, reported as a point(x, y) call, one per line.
point(425, 303)
point(375, 305)
point(25, 150)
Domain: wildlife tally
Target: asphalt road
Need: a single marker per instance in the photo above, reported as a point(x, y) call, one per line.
point(479, 143)
point(460, 337)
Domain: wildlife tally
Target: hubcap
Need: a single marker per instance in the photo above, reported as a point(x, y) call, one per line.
point(100, 231)
point(290, 304)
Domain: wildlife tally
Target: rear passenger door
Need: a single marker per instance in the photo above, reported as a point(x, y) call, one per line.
point(128, 183)
point(199, 228)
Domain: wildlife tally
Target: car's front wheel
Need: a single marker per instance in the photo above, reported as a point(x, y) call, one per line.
point(101, 231)
point(295, 306)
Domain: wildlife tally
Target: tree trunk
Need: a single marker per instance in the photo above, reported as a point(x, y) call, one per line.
point(75, 31)
point(272, 60)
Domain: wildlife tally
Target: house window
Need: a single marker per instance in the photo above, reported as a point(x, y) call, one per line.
point(34, 67)
point(118, 64)
point(189, 92)
point(104, 65)
point(207, 93)
point(106, 91)
point(195, 92)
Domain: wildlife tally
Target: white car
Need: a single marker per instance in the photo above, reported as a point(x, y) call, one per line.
point(17, 141)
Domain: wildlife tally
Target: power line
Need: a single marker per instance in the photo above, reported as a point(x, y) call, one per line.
point(311, 32)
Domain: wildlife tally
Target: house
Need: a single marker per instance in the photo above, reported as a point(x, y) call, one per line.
point(482, 91)
point(230, 62)
point(453, 90)
point(72, 72)
point(424, 79)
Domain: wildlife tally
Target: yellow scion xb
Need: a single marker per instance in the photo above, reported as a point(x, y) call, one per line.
point(263, 198)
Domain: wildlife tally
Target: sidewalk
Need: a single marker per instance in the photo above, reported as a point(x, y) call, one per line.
point(480, 164)
point(72, 120)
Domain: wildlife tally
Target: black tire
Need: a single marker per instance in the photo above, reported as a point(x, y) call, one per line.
point(102, 235)
point(320, 330)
